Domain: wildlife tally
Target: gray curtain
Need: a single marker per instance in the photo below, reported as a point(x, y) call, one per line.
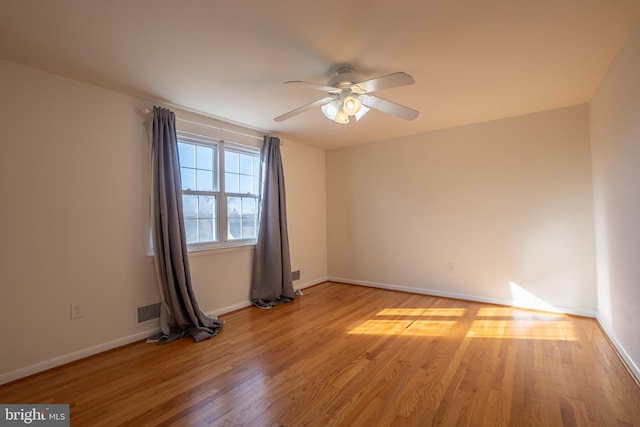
point(271, 282)
point(180, 314)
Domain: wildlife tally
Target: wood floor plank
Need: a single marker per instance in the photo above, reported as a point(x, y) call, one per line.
point(348, 355)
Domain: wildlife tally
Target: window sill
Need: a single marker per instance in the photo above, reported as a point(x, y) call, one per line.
point(205, 250)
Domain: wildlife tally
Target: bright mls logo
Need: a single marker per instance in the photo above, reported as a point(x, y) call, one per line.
point(36, 415)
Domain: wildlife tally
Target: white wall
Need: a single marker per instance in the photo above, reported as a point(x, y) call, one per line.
point(74, 216)
point(74, 222)
point(615, 139)
point(508, 201)
point(305, 179)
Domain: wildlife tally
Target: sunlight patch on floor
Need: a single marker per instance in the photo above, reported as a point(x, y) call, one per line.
point(432, 328)
point(558, 330)
point(518, 313)
point(489, 322)
point(422, 312)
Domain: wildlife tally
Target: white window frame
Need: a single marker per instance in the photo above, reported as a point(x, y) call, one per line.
point(219, 192)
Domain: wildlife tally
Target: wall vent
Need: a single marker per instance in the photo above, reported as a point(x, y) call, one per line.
point(148, 312)
point(295, 275)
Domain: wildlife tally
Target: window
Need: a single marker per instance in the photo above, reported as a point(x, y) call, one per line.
point(220, 191)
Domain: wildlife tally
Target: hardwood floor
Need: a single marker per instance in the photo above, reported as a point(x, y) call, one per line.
point(355, 356)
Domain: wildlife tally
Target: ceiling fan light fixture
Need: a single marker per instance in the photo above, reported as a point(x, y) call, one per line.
point(331, 109)
point(351, 105)
point(341, 117)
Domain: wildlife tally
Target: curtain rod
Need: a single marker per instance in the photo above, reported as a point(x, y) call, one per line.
point(259, 138)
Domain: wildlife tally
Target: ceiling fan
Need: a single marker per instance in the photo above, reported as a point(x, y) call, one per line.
point(346, 97)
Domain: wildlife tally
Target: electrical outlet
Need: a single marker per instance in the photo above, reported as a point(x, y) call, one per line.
point(77, 311)
point(450, 267)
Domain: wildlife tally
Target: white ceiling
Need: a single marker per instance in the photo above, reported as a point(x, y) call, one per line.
point(472, 60)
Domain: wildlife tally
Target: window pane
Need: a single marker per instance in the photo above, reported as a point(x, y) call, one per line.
point(191, 227)
point(246, 184)
point(249, 205)
point(234, 219)
point(188, 178)
point(242, 174)
point(249, 218)
point(186, 155)
point(231, 162)
point(234, 206)
point(206, 206)
point(207, 215)
point(231, 182)
point(190, 206)
point(205, 230)
point(204, 157)
point(242, 217)
point(204, 180)
point(246, 164)
point(199, 218)
point(248, 227)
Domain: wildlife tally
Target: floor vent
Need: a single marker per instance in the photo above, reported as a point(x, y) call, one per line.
point(148, 312)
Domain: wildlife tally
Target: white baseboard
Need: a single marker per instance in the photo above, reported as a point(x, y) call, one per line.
point(633, 368)
point(229, 308)
point(466, 297)
point(76, 355)
point(312, 283)
point(247, 303)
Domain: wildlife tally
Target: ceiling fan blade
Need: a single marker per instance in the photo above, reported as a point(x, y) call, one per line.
point(388, 107)
point(328, 89)
point(304, 108)
point(384, 82)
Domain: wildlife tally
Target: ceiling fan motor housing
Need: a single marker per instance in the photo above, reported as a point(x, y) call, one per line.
point(343, 78)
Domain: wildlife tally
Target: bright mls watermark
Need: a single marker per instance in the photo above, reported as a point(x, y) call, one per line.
point(34, 415)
